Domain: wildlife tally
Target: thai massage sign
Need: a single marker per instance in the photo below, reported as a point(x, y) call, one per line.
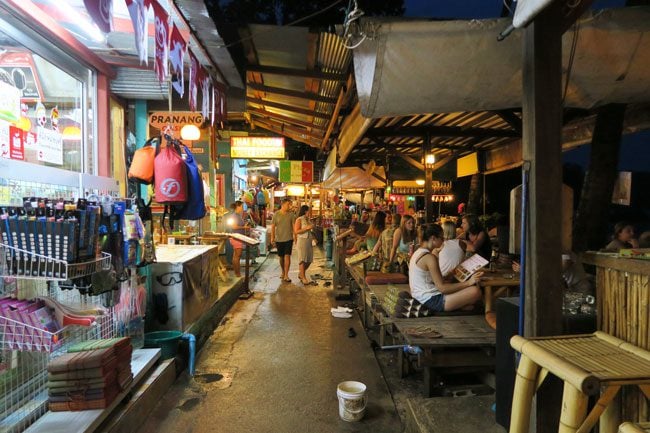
point(297, 171)
point(173, 121)
point(257, 147)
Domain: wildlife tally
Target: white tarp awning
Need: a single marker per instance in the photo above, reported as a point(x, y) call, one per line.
point(354, 178)
point(450, 66)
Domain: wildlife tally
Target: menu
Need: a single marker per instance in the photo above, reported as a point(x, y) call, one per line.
point(469, 267)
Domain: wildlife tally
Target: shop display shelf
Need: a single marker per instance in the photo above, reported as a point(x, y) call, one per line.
point(20, 336)
point(19, 263)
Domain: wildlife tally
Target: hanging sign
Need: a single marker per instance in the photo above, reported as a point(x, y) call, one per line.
point(297, 171)
point(49, 146)
point(257, 147)
point(176, 120)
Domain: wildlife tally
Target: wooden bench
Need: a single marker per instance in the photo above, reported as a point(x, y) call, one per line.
point(464, 344)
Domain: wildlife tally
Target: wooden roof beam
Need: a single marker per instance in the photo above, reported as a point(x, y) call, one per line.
point(291, 72)
point(292, 93)
point(441, 131)
point(288, 108)
point(297, 137)
point(258, 112)
point(290, 128)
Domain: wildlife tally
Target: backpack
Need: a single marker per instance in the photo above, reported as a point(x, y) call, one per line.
point(142, 164)
point(170, 175)
point(194, 207)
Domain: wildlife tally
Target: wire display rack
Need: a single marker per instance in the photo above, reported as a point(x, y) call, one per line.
point(23, 372)
point(23, 264)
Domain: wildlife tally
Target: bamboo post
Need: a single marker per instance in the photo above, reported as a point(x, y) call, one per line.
point(574, 409)
point(611, 417)
point(522, 397)
point(602, 403)
point(629, 427)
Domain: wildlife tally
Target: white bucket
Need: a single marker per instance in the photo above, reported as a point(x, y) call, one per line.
point(352, 400)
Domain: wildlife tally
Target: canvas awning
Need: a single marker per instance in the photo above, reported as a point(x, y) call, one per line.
point(458, 66)
point(355, 178)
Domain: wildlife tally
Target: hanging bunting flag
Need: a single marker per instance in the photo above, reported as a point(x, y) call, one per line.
point(54, 118)
point(195, 70)
point(101, 11)
point(206, 84)
point(213, 114)
point(138, 12)
point(176, 58)
point(223, 109)
point(161, 19)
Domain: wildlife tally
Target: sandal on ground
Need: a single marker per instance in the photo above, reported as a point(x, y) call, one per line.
point(286, 280)
point(304, 281)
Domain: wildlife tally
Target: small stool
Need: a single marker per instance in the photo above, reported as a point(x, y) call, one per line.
point(629, 427)
point(588, 364)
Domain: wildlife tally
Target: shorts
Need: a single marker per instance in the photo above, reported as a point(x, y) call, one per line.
point(436, 303)
point(284, 248)
point(236, 244)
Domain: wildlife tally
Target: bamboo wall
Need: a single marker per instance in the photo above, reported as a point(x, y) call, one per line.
point(623, 298)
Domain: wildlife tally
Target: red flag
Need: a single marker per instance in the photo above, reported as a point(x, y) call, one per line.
point(176, 58)
point(138, 12)
point(206, 84)
point(101, 11)
point(162, 41)
point(195, 70)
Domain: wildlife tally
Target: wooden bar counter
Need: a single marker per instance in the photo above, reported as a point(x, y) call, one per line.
point(623, 298)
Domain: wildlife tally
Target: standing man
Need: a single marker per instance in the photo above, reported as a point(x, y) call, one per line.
point(283, 236)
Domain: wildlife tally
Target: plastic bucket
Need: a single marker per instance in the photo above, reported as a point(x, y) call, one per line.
point(166, 340)
point(352, 400)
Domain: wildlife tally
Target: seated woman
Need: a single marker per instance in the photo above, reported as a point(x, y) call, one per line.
point(623, 237)
point(405, 235)
point(476, 237)
point(426, 282)
point(453, 250)
point(372, 235)
point(384, 245)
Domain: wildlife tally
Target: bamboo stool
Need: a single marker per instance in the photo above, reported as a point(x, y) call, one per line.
point(587, 364)
point(629, 427)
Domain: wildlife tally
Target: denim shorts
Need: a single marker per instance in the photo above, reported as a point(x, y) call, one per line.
point(436, 303)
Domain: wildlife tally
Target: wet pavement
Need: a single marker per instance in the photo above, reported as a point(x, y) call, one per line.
point(273, 366)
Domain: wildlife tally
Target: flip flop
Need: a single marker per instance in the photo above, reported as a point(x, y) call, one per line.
point(286, 280)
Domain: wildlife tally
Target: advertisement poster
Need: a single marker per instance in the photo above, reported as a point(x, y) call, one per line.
point(4, 139)
point(16, 149)
point(29, 140)
point(9, 102)
point(49, 146)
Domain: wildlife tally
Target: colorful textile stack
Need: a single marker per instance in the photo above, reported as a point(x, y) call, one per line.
point(90, 375)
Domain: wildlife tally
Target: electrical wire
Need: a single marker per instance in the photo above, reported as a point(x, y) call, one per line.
point(574, 44)
point(293, 23)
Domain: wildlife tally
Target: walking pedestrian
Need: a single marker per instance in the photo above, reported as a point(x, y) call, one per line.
point(283, 236)
point(302, 228)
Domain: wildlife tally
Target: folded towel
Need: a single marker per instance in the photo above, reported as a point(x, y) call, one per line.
point(109, 378)
point(65, 406)
point(87, 373)
point(81, 360)
point(116, 343)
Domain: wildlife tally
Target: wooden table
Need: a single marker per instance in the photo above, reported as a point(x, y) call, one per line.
point(495, 284)
point(466, 344)
point(181, 239)
point(220, 242)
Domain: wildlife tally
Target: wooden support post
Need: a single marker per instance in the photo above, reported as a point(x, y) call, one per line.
point(428, 181)
point(542, 125)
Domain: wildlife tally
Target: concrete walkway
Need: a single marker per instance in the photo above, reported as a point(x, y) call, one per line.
point(273, 366)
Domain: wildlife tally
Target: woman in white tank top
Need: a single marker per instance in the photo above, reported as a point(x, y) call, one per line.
point(426, 282)
point(452, 253)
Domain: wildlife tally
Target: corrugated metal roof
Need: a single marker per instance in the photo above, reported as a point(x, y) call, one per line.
point(138, 84)
point(299, 107)
point(206, 32)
